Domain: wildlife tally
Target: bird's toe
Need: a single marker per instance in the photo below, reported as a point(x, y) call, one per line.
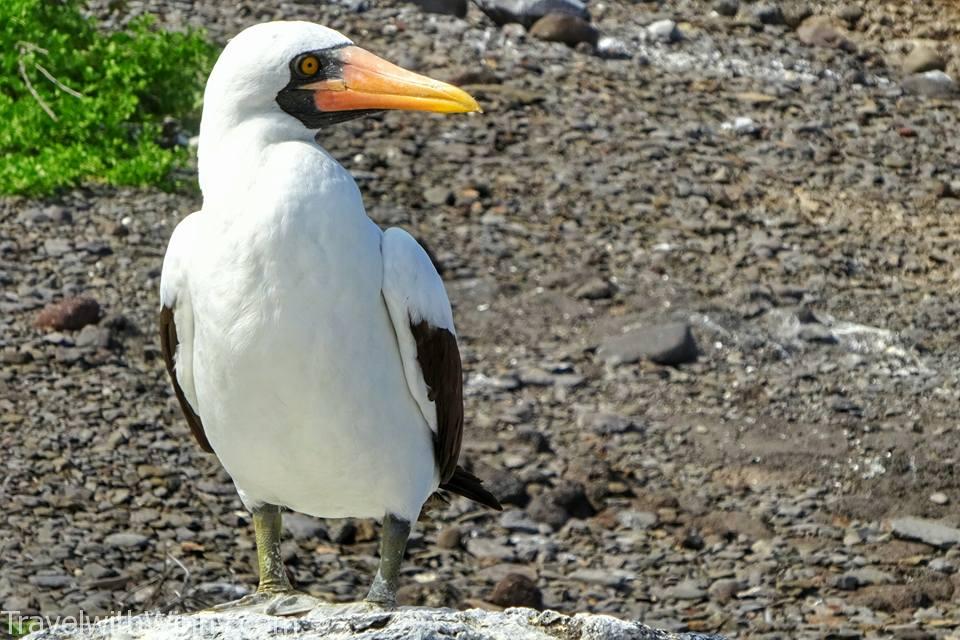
point(274, 603)
point(292, 603)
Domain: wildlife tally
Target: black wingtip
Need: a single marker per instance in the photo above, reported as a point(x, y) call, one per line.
point(466, 484)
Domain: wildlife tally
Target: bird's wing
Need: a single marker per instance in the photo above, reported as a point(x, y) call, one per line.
point(176, 324)
point(423, 321)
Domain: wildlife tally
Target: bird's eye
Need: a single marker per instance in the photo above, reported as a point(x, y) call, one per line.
point(308, 65)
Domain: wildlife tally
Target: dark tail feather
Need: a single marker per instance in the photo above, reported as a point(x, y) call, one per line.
point(470, 486)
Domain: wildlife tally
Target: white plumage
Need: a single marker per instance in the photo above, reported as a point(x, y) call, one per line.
point(293, 308)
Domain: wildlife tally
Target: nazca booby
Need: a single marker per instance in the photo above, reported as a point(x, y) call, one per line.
point(312, 352)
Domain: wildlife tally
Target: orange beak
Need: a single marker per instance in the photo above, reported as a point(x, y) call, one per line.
point(370, 82)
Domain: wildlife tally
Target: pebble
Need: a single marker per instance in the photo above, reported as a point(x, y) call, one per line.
point(817, 333)
point(51, 581)
point(485, 548)
point(725, 589)
point(447, 7)
point(527, 12)
point(728, 8)
point(768, 13)
point(562, 27)
point(70, 314)
point(743, 126)
point(438, 196)
point(516, 520)
point(685, 590)
point(669, 344)
point(517, 590)
point(664, 31)
point(304, 527)
point(850, 14)
point(602, 577)
point(923, 58)
point(822, 31)
point(595, 289)
point(607, 423)
point(93, 336)
point(932, 84)
point(928, 531)
point(449, 537)
point(869, 576)
point(638, 520)
point(127, 540)
point(611, 48)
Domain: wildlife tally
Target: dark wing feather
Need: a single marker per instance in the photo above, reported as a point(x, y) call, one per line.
point(168, 344)
point(439, 360)
point(470, 486)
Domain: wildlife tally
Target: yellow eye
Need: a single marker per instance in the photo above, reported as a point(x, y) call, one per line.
point(308, 65)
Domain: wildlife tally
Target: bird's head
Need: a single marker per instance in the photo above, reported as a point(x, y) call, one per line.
point(308, 77)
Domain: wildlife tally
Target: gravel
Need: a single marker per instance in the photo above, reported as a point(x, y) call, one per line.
point(813, 257)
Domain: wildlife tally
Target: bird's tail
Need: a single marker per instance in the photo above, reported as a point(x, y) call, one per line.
point(470, 486)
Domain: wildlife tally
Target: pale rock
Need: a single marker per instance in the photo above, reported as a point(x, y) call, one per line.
point(361, 622)
point(924, 58)
point(927, 531)
point(932, 84)
point(664, 31)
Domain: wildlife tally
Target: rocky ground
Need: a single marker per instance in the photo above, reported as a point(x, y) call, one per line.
point(780, 193)
point(359, 622)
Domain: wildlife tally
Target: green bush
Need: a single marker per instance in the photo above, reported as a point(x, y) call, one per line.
point(17, 629)
point(128, 82)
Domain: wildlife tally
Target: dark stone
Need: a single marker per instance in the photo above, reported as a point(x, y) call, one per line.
point(446, 7)
point(667, 344)
point(303, 527)
point(768, 13)
point(572, 497)
point(691, 539)
point(508, 488)
point(728, 8)
point(517, 590)
point(556, 506)
point(850, 13)
point(70, 314)
point(343, 532)
point(120, 325)
point(565, 28)
point(543, 508)
point(449, 537)
point(535, 439)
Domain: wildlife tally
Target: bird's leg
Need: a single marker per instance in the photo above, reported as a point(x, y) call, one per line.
point(267, 527)
point(275, 595)
point(393, 542)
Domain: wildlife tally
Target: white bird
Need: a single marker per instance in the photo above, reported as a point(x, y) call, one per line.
point(312, 352)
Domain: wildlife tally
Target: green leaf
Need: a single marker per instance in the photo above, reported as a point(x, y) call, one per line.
point(131, 81)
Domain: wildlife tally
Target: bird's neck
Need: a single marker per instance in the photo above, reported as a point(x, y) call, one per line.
point(231, 150)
